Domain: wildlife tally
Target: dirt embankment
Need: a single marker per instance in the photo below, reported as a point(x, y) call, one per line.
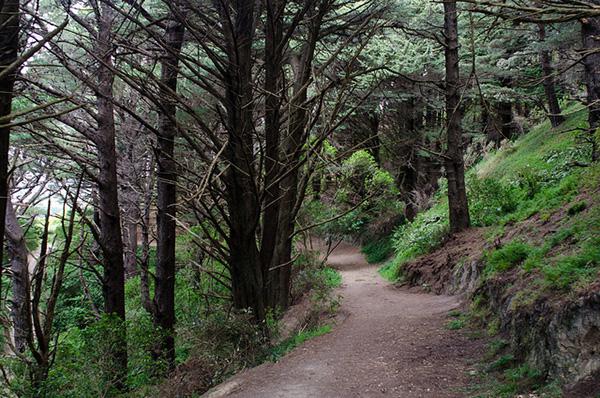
point(557, 332)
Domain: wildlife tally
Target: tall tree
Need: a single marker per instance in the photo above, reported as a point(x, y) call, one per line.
point(455, 167)
point(164, 297)
point(9, 44)
point(111, 237)
point(238, 24)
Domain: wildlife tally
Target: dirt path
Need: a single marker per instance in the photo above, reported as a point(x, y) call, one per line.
point(391, 344)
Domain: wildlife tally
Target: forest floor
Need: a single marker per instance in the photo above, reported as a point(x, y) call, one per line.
point(388, 342)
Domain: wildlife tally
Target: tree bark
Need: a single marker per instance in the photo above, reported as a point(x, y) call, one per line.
point(9, 44)
point(274, 48)
point(455, 169)
point(590, 33)
point(164, 297)
point(131, 232)
point(505, 117)
point(19, 267)
point(280, 266)
point(555, 116)
point(241, 191)
point(108, 197)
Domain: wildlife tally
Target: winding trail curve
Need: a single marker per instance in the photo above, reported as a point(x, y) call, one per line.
point(392, 343)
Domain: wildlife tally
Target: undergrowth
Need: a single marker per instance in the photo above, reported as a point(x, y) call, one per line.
point(379, 250)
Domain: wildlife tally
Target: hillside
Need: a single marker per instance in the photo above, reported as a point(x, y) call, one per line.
point(528, 269)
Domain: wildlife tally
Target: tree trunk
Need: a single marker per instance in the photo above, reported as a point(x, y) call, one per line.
point(19, 266)
point(9, 44)
point(374, 144)
point(280, 266)
point(131, 232)
point(108, 197)
point(455, 170)
point(241, 192)
point(505, 117)
point(273, 98)
point(590, 33)
point(549, 88)
point(164, 297)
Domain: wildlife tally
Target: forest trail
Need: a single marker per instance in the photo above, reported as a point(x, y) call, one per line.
point(391, 343)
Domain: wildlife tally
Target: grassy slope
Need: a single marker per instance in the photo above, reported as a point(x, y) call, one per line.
point(533, 175)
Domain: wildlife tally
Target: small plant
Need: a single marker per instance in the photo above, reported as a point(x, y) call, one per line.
point(577, 208)
point(504, 362)
point(495, 347)
point(455, 324)
point(507, 257)
point(333, 279)
point(494, 327)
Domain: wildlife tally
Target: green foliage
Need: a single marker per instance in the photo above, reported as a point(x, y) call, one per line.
point(559, 272)
point(379, 250)
point(311, 274)
point(83, 367)
point(365, 192)
point(521, 379)
point(333, 279)
point(455, 324)
point(567, 270)
point(490, 200)
point(280, 350)
point(501, 363)
point(507, 257)
point(577, 208)
point(421, 236)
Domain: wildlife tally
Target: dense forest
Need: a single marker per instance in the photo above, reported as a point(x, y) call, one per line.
point(167, 168)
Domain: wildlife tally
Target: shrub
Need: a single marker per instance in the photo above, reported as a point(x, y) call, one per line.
point(507, 257)
point(379, 250)
point(423, 235)
point(368, 190)
point(311, 275)
point(490, 199)
point(455, 324)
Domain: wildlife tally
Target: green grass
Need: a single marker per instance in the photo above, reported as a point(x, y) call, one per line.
point(531, 151)
point(567, 270)
point(507, 257)
point(562, 271)
point(288, 345)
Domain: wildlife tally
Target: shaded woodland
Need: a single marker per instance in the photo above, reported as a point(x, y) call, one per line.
point(161, 163)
